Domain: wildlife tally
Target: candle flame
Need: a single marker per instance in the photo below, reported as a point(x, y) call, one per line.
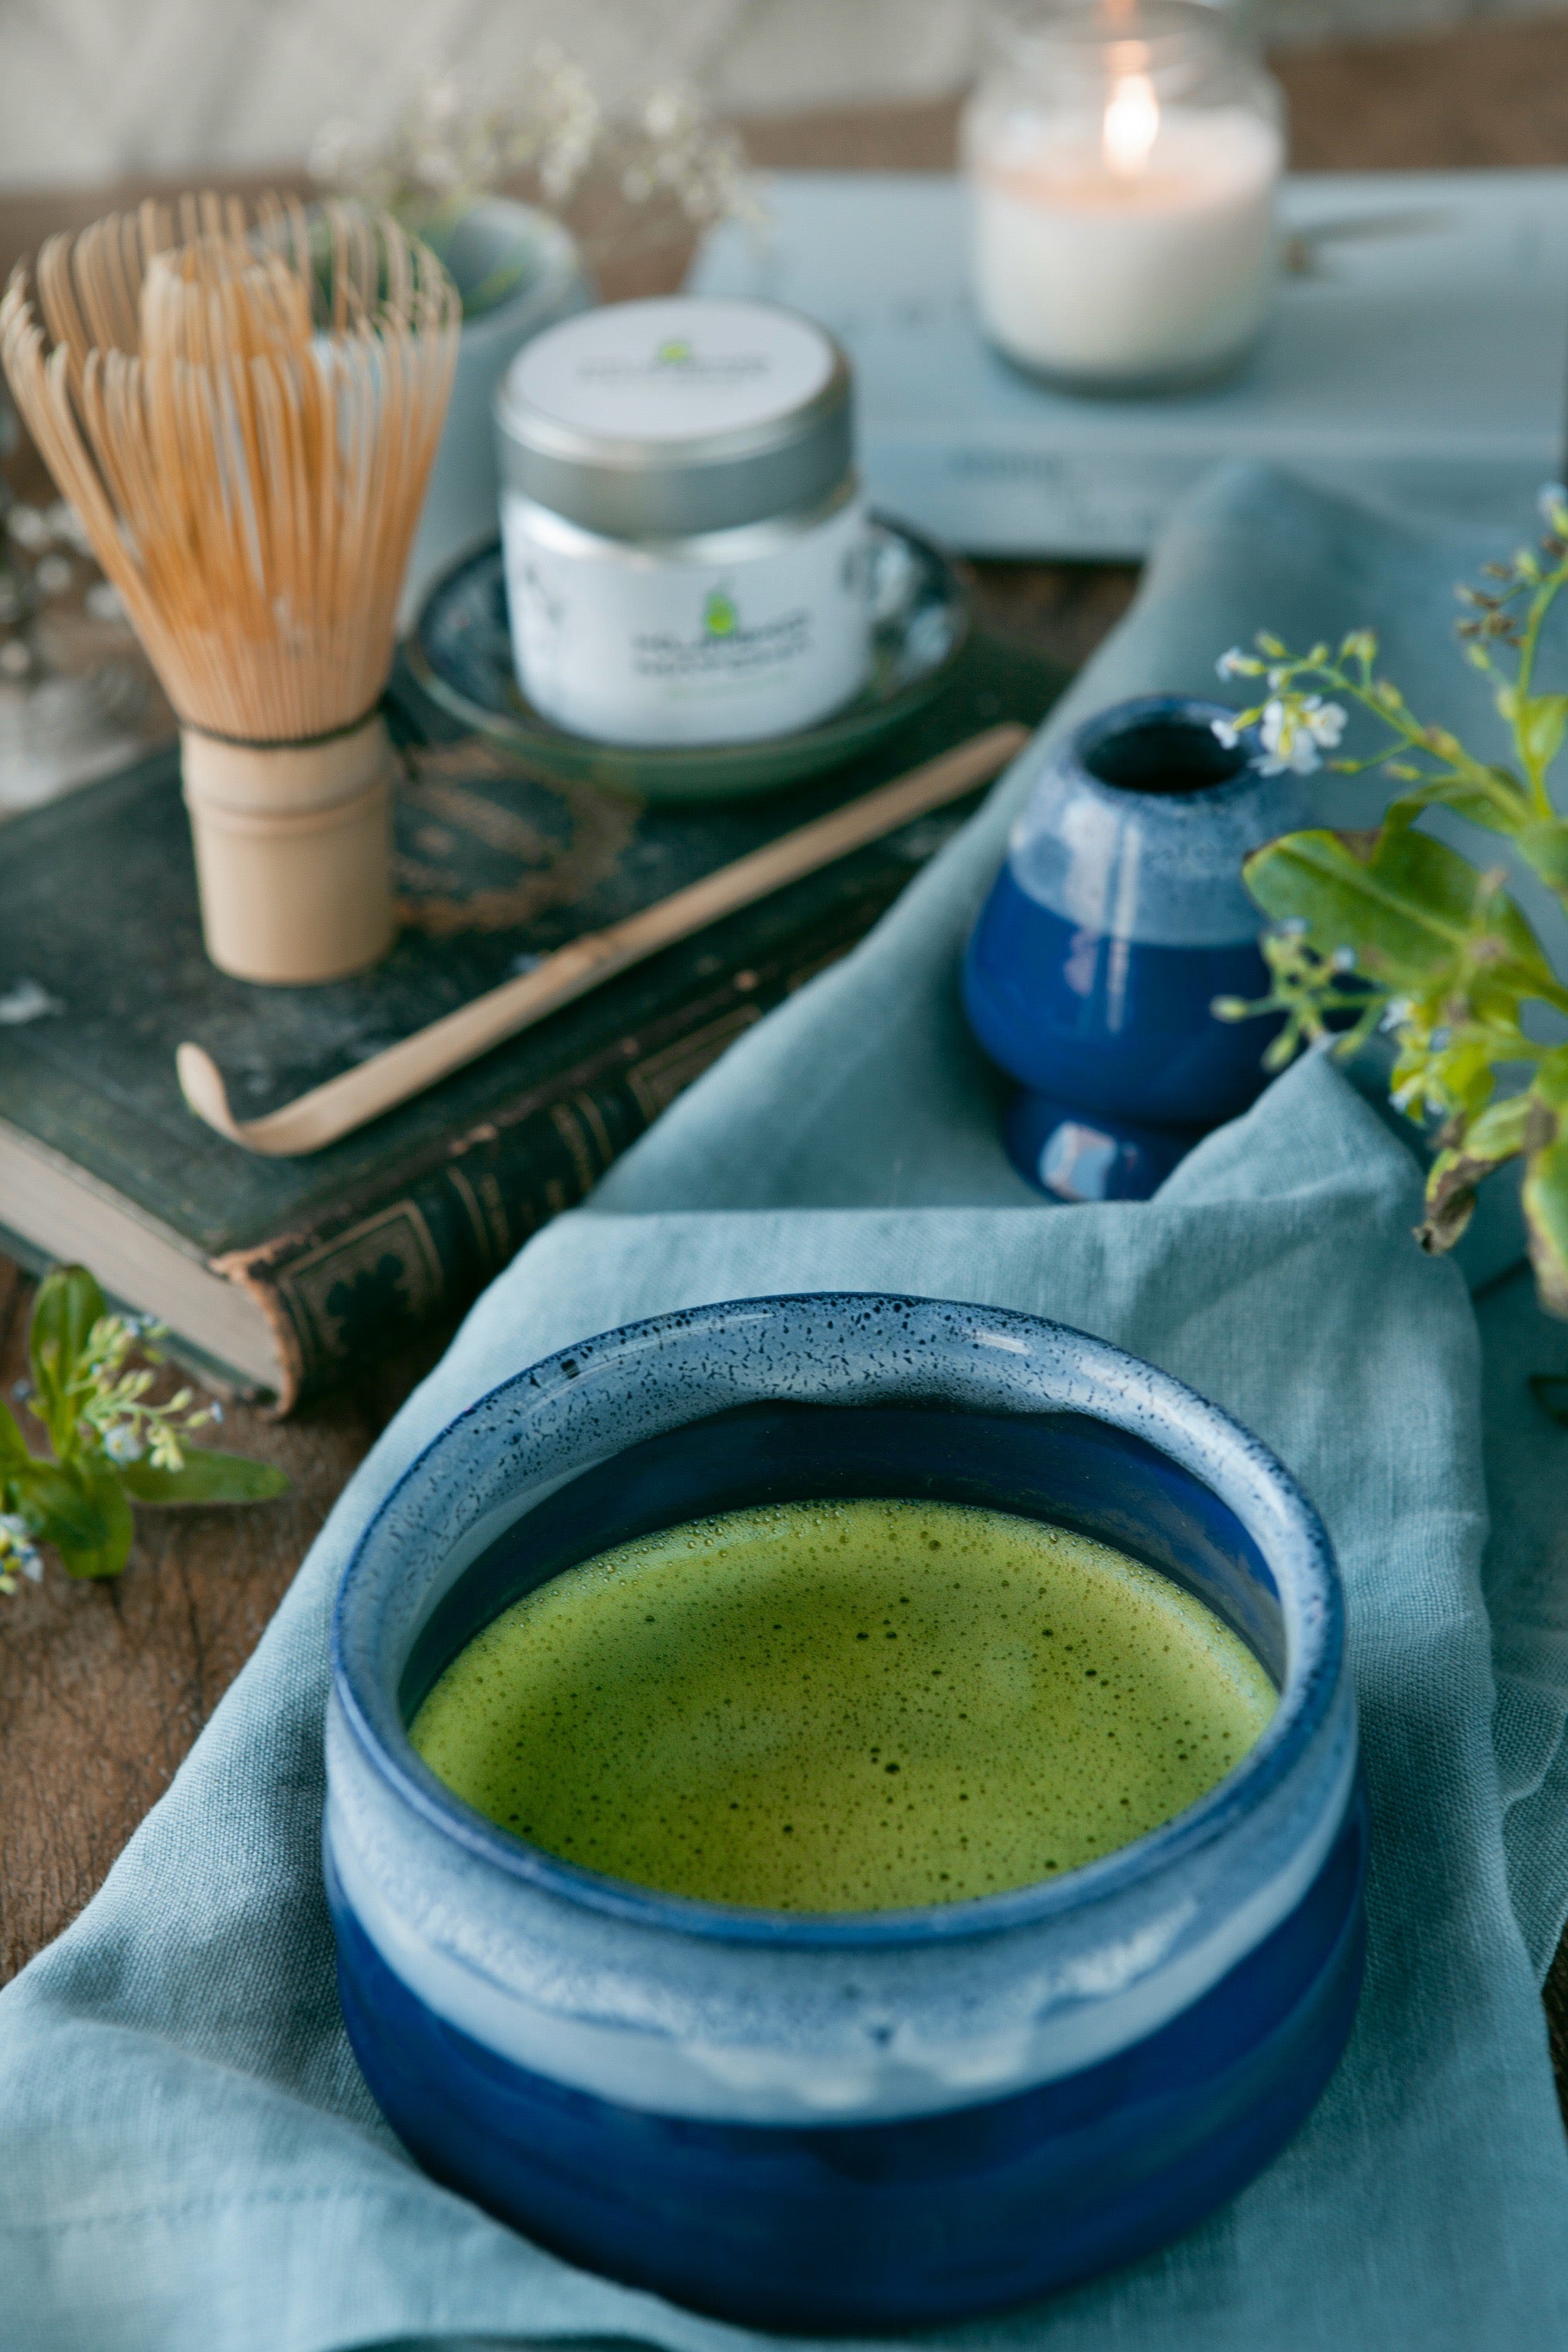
point(1131, 123)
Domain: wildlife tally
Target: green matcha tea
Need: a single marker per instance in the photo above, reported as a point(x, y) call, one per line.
point(844, 1706)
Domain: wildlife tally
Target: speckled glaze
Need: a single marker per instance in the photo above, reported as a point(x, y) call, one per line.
point(844, 2121)
point(1117, 916)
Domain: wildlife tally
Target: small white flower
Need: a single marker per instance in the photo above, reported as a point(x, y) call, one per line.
point(1229, 735)
point(1233, 663)
point(67, 526)
point(339, 152)
point(19, 1554)
point(122, 1444)
point(29, 527)
point(1550, 501)
point(1344, 959)
point(104, 603)
point(1296, 734)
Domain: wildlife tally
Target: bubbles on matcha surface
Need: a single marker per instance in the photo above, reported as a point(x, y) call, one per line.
point(844, 1706)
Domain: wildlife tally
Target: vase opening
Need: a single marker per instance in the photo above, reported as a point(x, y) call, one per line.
point(1161, 752)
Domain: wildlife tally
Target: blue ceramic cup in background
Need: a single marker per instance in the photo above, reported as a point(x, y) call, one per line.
point(1118, 915)
point(850, 2121)
point(518, 271)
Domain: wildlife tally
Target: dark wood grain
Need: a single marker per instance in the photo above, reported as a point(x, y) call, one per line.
point(1487, 95)
point(103, 1689)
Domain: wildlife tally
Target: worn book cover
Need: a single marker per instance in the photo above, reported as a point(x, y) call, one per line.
point(102, 975)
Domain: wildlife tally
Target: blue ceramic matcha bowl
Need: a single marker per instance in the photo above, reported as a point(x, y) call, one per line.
point(1118, 917)
point(852, 2121)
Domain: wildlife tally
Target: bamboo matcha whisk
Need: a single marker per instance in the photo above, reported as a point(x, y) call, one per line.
point(244, 410)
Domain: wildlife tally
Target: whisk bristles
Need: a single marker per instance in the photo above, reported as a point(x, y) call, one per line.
point(243, 410)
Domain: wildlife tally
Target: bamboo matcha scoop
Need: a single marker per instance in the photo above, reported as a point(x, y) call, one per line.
point(331, 1111)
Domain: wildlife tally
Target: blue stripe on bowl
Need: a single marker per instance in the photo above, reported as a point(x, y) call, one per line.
point(844, 2227)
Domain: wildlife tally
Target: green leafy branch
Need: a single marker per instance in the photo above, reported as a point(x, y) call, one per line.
point(1391, 928)
point(113, 1445)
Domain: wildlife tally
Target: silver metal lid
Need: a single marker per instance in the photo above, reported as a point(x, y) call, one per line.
point(663, 418)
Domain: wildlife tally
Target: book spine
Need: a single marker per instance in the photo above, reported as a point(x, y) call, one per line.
point(371, 1276)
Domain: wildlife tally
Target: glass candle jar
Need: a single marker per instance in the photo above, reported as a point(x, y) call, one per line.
point(1123, 160)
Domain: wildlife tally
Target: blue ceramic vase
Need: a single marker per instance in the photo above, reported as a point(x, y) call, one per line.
point(849, 2122)
point(1118, 915)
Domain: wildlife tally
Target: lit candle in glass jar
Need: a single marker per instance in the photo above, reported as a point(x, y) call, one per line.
point(1123, 167)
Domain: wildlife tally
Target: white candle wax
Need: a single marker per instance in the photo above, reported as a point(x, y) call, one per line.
point(1154, 267)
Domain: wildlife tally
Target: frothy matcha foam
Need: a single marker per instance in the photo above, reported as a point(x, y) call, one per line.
point(844, 1706)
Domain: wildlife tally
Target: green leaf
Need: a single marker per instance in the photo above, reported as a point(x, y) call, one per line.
point(1546, 1221)
point(208, 1476)
point(1503, 808)
point(1402, 900)
point(1545, 844)
point(1498, 1135)
point(69, 1304)
point(1540, 722)
point(109, 1555)
point(57, 1505)
point(13, 1445)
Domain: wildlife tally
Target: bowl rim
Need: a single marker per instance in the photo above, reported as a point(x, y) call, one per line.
point(525, 227)
point(1140, 710)
point(1315, 1679)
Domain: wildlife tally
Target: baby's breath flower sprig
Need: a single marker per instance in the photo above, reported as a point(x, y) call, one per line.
point(116, 1408)
point(669, 155)
point(1392, 930)
point(1296, 725)
point(447, 147)
point(1311, 992)
point(115, 1443)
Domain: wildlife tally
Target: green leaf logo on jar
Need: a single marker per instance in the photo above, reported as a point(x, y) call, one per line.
point(720, 618)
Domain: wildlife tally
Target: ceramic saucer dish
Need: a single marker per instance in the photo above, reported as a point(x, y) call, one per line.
point(845, 2121)
point(460, 653)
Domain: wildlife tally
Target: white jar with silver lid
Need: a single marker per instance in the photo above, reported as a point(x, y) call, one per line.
point(682, 523)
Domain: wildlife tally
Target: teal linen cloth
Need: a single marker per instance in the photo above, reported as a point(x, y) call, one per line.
point(189, 2161)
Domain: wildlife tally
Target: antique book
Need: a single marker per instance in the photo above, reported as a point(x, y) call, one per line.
point(275, 1276)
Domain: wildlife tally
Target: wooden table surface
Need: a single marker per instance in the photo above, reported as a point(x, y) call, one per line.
point(103, 1688)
